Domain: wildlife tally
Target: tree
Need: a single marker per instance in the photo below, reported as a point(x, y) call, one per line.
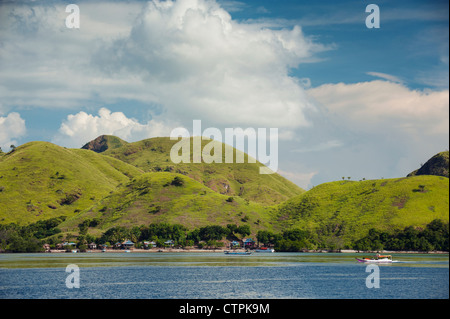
point(213, 232)
point(177, 181)
point(243, 230)
point(265, 237)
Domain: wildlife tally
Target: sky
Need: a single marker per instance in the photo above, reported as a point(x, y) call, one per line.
point(348, 100)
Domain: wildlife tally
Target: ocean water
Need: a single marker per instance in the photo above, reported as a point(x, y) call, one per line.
point(218, 276)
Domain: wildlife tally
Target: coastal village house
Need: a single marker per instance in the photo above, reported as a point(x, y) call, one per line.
point(149, 244)
point(169, 243)
point(235, 244)
point(248, 243)
point(127, 244)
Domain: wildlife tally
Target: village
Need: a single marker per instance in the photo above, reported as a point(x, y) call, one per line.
point(152, 246)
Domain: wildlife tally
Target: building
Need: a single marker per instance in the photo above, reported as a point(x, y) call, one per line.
point(127, 244)
point(235, 244)
point(149, 244)
point(169, 243)
point(248, 243)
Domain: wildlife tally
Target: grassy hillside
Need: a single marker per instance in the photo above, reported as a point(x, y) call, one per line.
point(172, 198)
point(125, 184)
point(244, 180)
point(40, 180)
point(349, 209)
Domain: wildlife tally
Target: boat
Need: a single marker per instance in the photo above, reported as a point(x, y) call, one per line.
point(228, 252)
point(377, 259)
point(264, 250)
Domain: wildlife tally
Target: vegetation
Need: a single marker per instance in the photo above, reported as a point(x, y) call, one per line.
point(41, 180)
point(243, 180)
point(346, 210)
point(109, 190)
point(14, 238)
point(166, 197)
point(433, 237)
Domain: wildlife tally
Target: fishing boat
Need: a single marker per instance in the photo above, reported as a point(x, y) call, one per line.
point(264, 250)
point(376, 259)
point(228, 252)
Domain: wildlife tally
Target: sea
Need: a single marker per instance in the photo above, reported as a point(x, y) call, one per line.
point(203, 276)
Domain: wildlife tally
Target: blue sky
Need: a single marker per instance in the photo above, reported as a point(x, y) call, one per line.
point(348, 100)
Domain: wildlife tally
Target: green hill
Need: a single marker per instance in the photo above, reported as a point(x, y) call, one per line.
point(243, 180)
point(348, 209)
point(116, 183)
point(40, 180)
point(171, 198)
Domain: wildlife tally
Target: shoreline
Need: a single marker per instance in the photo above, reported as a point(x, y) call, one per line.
point(176, 250)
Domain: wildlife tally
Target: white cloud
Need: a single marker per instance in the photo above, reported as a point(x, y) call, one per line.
point(199, 63)
point(81, 128)
point(301, 179)
point(189, 57)
point(11, 127)
point(319, 147)
point(384, 105)
point(389, 77)
point(386, 126)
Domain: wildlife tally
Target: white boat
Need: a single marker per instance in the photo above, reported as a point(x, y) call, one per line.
point(377, 259)
point(264, 250)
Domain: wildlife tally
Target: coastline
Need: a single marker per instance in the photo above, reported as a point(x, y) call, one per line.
point(179, 250)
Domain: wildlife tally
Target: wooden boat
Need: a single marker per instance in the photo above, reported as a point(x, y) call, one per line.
point(228, 252)
point(264, 250)
point(376, 259)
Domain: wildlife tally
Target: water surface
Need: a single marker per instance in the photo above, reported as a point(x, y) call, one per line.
point(219, 276)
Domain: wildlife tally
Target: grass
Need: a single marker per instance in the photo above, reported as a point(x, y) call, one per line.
point(153, 198)
point(352, 208)
point(41, 180)
point(235, 179)
point(136, 184)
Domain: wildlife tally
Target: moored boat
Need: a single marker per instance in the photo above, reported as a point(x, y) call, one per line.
point(264, 250)
point(228, 252)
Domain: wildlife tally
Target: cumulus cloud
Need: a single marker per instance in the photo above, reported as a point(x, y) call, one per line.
point(190, 57)
point(379, 105)
point(386, 126)
point(199, 63)
point(80, 128)
point(12, 127)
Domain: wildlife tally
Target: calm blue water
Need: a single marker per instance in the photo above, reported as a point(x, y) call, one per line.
point(216, 276)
